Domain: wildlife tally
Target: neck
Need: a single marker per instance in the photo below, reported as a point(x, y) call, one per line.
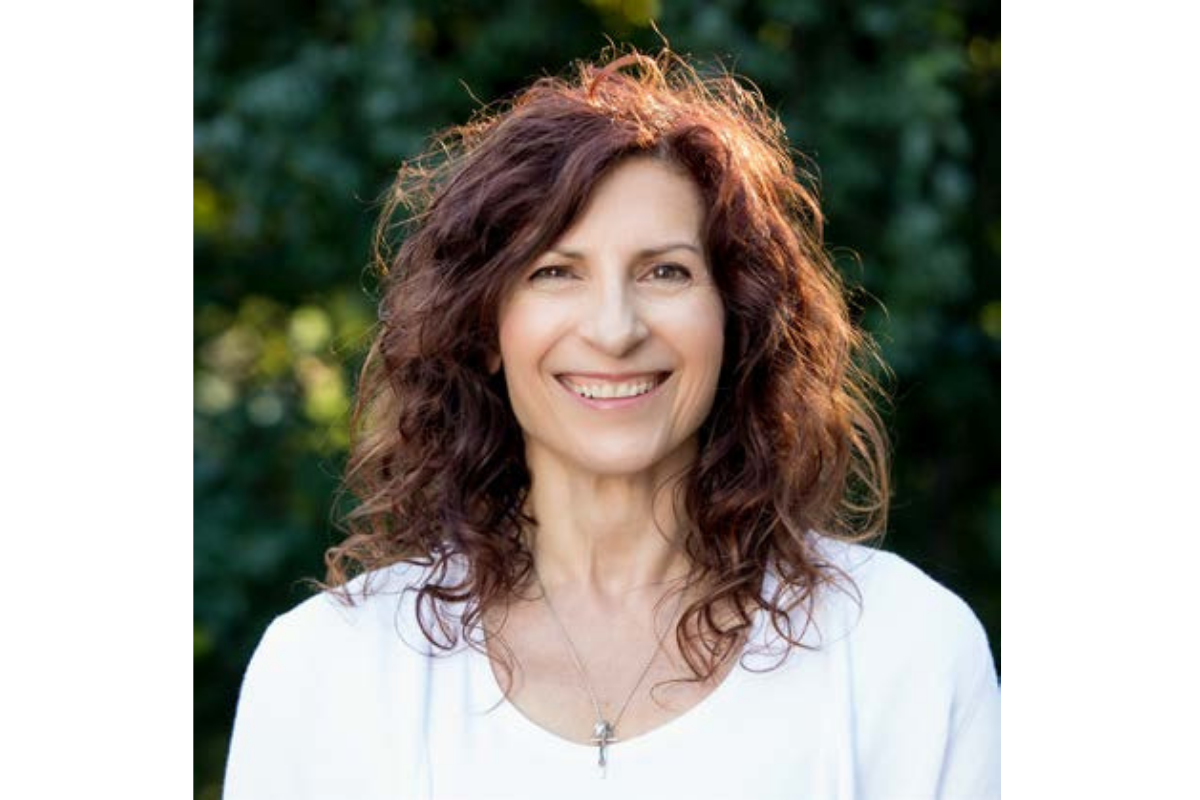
point(608, 538)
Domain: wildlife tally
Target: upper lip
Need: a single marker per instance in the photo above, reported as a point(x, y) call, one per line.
point(613, 377)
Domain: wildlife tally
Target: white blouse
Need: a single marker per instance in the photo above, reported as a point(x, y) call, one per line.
point(900, 700)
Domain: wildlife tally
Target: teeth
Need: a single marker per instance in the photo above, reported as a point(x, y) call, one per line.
point(604, 391)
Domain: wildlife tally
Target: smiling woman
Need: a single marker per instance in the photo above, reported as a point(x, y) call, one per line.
point(606, 321)
point(614, 458)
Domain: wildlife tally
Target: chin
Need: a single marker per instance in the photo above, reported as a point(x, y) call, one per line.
point(618, 466)
point(615, 457)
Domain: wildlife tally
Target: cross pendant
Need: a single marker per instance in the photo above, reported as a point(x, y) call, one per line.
point(602, 736)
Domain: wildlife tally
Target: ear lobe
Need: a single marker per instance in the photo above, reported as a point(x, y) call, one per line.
point(493, 363)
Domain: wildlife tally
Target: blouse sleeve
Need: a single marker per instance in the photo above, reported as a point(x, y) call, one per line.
point(971, 768)
point(266, 751)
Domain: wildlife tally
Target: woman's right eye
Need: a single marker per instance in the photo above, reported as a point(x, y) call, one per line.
point(550, 273)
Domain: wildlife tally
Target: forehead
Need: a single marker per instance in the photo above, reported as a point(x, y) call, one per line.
point(642, 201)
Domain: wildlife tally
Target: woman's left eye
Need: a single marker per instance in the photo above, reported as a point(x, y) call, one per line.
point(670, 272)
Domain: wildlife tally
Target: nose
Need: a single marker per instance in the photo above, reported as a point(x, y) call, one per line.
point(611, 322)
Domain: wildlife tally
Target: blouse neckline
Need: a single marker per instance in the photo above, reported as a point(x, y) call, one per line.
point(520, 724)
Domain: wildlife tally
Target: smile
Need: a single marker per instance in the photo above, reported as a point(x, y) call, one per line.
point(608, 392)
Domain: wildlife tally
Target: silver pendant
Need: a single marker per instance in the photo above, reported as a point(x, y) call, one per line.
point(602, 736)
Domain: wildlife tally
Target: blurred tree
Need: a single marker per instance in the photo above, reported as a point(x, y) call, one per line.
point(303, 111)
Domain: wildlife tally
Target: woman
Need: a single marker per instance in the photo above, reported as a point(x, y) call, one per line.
point(612, 453)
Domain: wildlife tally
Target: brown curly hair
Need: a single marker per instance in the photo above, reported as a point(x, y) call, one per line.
point(792, 445)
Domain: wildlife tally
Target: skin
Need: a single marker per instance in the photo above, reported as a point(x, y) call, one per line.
point(626, 290)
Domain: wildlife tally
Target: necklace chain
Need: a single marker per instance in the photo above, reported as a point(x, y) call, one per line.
point(604, 730)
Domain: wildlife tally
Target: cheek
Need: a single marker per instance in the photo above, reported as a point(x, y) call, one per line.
point(521, 335)
point(528, 334)
point(714, 340)
point(706, 353)
point(705, 335)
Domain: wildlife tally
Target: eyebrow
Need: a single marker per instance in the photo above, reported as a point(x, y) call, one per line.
point(646, 252)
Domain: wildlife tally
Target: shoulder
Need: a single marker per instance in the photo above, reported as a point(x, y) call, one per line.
point(327, 696)
point(353, 605)
point(920, 678)
point(375, 610)
point(890, 587)
point(891, 605)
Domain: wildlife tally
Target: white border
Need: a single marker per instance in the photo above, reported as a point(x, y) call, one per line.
point(95, 312)
point(1099, 423)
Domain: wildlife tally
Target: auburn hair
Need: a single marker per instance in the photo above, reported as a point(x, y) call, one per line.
point(793, 444)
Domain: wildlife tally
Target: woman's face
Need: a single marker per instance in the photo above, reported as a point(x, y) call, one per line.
point(611, 340)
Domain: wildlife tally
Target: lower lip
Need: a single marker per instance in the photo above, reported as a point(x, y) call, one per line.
point(613, 403)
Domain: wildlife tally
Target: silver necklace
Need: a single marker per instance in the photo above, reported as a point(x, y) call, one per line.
point(603, 732)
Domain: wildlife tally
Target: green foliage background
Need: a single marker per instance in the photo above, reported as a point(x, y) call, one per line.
point(303, 111)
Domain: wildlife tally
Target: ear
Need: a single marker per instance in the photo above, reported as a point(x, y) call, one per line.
point(493, 362)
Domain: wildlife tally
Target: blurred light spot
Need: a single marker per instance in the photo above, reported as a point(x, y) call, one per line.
point(339, 435)
point(275, 357)
point(917, 145)
point(206, 208)
point(984, 55)
point(265, 409)
point(775, 35)
point(353, 320)
point(309, 329)
point(879, 21)
point(948, 23)
point(233, 352)
point(952, 184)
point(422, 33)
point(635, 12)
point(325, 397)
point(260, 313)
point(989, 319)
point(202, 643)
point(211, 319)
point(214, 394)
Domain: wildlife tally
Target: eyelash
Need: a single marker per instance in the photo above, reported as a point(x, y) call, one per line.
point(543, 272)
point(679, 273)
